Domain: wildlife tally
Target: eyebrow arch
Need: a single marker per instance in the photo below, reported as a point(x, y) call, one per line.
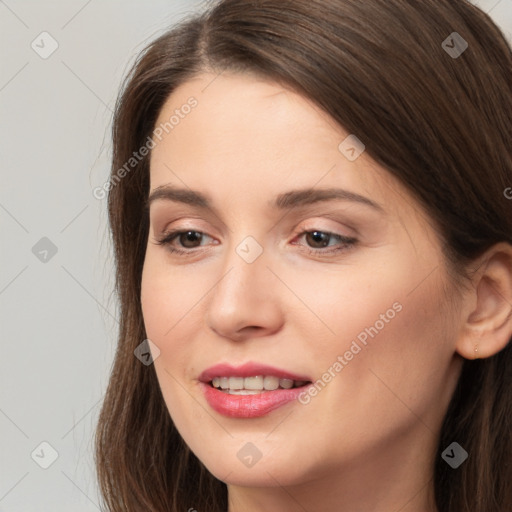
point(285, 201)
point(297, 198)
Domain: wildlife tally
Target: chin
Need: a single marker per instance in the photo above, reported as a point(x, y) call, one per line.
point(269, 471)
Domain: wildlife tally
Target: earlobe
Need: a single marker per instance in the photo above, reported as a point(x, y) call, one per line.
point(487, 329)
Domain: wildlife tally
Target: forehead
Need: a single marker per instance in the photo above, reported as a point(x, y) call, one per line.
point(243, 119)
point(248, 109)
point(248, 137)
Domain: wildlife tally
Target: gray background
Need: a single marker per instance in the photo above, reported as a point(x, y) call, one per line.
point(58, 314)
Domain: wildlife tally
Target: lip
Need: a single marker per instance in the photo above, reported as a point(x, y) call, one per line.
point(249, 369)
point(248, 406)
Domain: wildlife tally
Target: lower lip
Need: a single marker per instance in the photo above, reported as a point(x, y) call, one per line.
point(248, 406)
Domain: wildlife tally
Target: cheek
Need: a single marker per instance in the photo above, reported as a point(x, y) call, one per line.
point(168, 296)
point(161, 313)
point(169, 301)
point(341, 306)
point(397, 369)
point(394, 336)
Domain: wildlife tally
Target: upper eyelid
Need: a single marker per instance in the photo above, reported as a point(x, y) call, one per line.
point(304, 228)
point(330, 217)
point(326, 209)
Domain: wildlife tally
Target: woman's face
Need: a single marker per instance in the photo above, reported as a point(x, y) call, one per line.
point(264, 278)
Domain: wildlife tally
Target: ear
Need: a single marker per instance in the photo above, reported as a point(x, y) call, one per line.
point(487, 322)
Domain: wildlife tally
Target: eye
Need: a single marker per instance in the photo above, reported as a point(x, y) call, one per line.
point(185, 237)
point(320, 239)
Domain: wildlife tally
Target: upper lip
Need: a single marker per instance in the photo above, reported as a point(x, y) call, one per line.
point(249, 369)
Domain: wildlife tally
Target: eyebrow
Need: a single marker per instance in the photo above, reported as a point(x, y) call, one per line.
point(285, 201)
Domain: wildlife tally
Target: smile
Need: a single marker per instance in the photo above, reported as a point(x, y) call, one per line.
point(250, 390)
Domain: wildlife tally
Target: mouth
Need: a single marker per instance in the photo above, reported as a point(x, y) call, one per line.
point(250, 390)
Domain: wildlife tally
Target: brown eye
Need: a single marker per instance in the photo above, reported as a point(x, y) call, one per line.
point(189, 237)
point(188, 240)
point(318, 239)
point(318, 242)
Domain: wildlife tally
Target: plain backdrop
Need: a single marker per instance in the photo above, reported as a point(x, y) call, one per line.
point(60, 70)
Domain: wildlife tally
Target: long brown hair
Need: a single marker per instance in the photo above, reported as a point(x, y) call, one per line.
point(440, 123)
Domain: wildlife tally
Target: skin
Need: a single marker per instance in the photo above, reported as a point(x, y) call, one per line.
point(366, 441)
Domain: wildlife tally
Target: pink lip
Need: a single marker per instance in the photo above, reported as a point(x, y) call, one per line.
point(248, 406)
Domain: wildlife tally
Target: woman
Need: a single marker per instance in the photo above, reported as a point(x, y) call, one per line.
point(313, 239)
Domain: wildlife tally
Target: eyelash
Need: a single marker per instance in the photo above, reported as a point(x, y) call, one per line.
point(348, 242)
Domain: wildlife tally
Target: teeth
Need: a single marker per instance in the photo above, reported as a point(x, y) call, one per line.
point(286, 383)
point(236, 383)
point(253, 382)
point(254, 385)
point(270, 383)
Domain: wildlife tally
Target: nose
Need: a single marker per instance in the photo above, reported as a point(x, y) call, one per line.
point(245, 301)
